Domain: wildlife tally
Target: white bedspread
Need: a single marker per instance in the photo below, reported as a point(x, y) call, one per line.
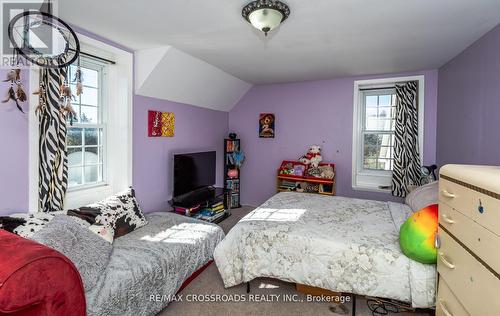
point(341, 244)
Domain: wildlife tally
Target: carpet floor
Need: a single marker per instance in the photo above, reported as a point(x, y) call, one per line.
point(273, 292)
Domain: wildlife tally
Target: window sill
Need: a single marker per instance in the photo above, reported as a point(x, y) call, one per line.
point(87, 187)
point(372, 181)
point(367, 188)
point(85, 195)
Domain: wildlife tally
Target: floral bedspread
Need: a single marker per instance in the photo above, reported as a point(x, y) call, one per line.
point(336, 243)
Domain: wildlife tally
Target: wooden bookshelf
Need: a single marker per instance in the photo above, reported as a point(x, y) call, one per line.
point(290, 183)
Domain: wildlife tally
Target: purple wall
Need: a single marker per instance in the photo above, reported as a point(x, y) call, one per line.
point(196, 129)
point(469, 105)
point(14, 144)
point(317, 112)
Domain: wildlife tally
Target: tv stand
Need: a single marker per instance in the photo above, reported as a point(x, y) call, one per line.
point(194, 197)
point(191, 203)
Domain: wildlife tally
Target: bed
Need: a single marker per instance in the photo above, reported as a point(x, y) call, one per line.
point(154, 260)
point(335, 243)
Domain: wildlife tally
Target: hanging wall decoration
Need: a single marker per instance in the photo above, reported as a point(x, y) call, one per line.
point(53, 49)
point(267, 122)
point(60, 48)
point(161, 124)
point(16, 91)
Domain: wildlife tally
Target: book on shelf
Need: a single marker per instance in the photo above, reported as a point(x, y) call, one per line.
point(233, 184)
point(288, 184)
point(213, 210)
point(209, 216)
point(188, 211)
point(235, 200)
point(232, 145)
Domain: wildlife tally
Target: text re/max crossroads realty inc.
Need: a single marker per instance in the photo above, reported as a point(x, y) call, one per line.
point(248, 298)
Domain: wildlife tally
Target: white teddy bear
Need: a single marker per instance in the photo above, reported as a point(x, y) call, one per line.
point(313, 156)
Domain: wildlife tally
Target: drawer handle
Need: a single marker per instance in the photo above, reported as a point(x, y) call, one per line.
point(445, 261)
point(443, 307)
point(447, 194)
point(447, 219)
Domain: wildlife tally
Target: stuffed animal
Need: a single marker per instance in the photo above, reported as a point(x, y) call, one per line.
point(313, 156)
point(326, 172)
point(417, 235)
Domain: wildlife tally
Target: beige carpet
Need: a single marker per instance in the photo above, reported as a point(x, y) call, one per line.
point(210, 282)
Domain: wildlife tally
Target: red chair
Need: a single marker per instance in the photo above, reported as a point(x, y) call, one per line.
point(37, 280)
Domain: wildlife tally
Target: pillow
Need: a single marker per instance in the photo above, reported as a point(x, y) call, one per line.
point(132, 217)
point(88, 252)
point(102, 225)
point(25, 224)
point(417, 235)
point(113, 217)
point(423, 196)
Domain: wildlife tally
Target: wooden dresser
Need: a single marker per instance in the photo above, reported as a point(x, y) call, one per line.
point(469, 241)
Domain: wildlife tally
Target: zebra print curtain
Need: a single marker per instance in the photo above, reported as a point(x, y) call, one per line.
point(53, 167)
point(407, 165)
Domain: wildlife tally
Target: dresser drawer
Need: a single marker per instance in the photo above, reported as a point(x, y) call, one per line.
point(486, 211)
point(471, 282)
point(478, 239)
point(447, 304)
point(458, 197)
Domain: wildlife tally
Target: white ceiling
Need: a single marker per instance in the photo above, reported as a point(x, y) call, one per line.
point(321, 39)
point(170, 74)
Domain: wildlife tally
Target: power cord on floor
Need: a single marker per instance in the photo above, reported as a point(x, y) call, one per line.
point(380, 307)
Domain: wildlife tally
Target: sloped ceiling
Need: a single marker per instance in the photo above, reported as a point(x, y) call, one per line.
point(170, 74)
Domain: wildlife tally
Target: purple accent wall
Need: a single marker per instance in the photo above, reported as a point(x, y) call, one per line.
point(469, 105)
point(316, 112)
point(196, 129)
point(14, 158)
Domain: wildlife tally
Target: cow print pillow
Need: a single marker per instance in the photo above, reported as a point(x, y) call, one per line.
point(117, 215)
point(26, 224)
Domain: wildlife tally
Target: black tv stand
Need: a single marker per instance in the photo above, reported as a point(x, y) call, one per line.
point(195, 197)
point(203, 197)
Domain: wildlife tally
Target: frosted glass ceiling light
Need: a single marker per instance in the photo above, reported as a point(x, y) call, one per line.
point(266, 15)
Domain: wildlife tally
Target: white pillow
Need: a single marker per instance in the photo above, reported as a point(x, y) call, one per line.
point(423, 196)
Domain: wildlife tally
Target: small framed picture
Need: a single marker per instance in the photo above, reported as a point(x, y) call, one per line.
point(161, 124)
point(267, 124)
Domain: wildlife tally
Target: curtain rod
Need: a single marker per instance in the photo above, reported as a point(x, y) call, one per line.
point(95, 57)
point(390, 86)
point(381, 88)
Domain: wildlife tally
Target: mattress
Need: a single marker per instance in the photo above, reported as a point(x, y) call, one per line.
point(336, 243)
point(149, 265)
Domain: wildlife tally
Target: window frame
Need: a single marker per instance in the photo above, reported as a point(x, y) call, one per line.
point(103, 115)
point(365, 131)
point(369, 179)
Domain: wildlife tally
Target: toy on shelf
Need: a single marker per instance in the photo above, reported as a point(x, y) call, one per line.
point(323, 171)
point(313, 156)
point(299, 177)
point(292, 168)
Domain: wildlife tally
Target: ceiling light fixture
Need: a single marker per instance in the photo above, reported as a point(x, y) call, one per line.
point(265, 15)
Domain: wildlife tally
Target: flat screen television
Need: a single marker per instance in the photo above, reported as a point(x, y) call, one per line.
point(193, 171)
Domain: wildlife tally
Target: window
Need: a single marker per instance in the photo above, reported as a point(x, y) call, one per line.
point(100, 142)
point(379, 113)
point(373, 134)
point(86, 141)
